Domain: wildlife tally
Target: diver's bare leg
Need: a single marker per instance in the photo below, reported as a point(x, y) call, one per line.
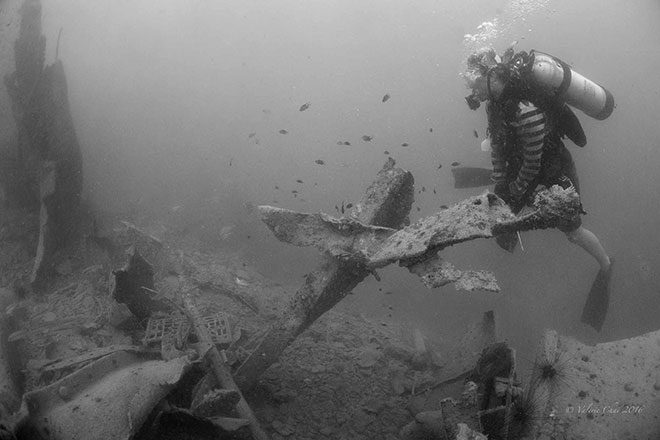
point(588, 241)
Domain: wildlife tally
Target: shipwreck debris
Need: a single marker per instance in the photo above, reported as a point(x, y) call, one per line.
point(416, 246)
point(436, 272)
point(10, 389)
point(133, 286)
point(128, 236)
point(386, 205)
point(109, 398)
point(375, 235)
point(605, 391)
point(46, 162)
point(214, 402)
point(478, 406)
point(207, 349)
point(444, 422)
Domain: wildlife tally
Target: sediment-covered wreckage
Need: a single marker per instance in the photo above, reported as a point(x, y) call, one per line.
point(128, 333)
point(194, 367)
point(41, 170)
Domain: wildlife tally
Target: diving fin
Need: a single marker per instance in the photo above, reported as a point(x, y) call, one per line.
point(570, 125)
point(598, 301)
point(471, 177)
point(507, 241)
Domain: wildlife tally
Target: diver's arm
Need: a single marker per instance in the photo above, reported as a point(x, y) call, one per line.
point(498, 160)
point(530, 131)
point(497, 156)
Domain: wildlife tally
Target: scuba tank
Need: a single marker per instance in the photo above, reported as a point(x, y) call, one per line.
point(559, 81)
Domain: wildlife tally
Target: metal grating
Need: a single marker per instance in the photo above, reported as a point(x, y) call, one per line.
point(176, 327)
point(218, 327)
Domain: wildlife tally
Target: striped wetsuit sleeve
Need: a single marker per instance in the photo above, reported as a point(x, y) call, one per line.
point(498, 159)
point(496, 133)
point(530, 130)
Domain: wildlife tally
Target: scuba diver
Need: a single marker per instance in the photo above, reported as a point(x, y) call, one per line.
point(527, 96)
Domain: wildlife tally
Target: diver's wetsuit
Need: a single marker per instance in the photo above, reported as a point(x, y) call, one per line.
point(528, 152)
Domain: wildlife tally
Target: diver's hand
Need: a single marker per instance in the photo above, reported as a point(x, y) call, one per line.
point(516, 205)
point(501, 190)
point(516, 198)
point(507, 192)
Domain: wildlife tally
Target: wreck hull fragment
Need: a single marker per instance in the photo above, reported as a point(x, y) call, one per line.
point(108, 399)
point(607, 391)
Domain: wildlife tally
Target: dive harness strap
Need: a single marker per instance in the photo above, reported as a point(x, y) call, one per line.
point(568, 77)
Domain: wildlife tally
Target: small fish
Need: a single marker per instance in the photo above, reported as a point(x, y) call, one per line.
point(295, 195)
point(423, 189)
point(342, 206)
point(305, 106)
point(444, 207)
point(283, 131)
point(294, 191)
point(251, 135)
point(319, 161)
point(275, 201)
point(434, 192)
point(367, 138)
point(430, 130)
point(347, 143)
point(349, 206)
point(474, 132)
point(231, 161)
point(386, 152)
point(241, 282)
point(439, 166)
point(418, 209)
point(277, 187)
point(336, 208)
point(405, 144)
point(455, 164)
point(386, 97)
point(299, 181)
